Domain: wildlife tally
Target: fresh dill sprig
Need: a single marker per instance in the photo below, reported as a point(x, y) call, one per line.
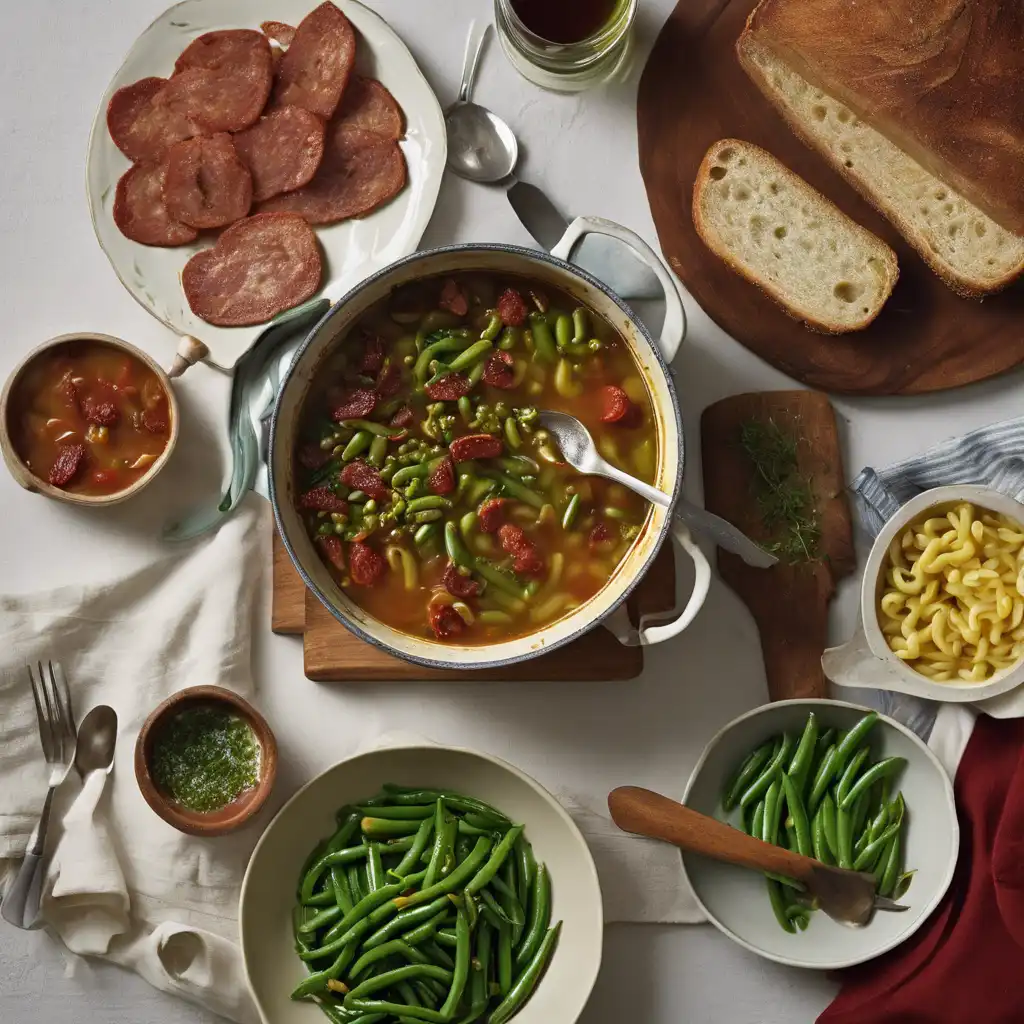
point(784, 498)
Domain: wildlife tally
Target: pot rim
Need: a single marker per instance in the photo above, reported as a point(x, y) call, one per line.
point(628, 586)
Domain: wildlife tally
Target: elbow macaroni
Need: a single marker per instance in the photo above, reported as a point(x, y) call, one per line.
point(952, 594)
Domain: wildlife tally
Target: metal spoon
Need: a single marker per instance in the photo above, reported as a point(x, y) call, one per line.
point(97, 739)
point(482, 148)
point(579, 450)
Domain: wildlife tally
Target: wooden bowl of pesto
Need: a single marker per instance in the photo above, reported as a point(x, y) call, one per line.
point(206, 761)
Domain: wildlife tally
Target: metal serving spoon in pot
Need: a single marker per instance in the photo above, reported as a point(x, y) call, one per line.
point(846, 896)
point(581, 453)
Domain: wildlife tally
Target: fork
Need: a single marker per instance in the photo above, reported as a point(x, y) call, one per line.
point(57, 735)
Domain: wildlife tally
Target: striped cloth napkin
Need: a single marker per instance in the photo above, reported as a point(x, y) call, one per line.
point(991, 456)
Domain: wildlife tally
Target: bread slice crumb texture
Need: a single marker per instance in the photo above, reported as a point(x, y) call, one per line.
point(784, 236)
point(962, 244)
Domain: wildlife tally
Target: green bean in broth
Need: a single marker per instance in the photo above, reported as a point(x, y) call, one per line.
point(420, 442)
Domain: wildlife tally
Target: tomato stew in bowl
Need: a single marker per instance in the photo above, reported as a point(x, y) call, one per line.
point(425, 482)
point(87, 418)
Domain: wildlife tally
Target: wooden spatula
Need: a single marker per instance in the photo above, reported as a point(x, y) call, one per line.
point(846, 896)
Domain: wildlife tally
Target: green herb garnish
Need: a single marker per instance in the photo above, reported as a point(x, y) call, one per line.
point(204, 757)
point(784, 498)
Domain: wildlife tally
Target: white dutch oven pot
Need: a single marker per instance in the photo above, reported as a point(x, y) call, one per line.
point(651, 356)
point(866, 661)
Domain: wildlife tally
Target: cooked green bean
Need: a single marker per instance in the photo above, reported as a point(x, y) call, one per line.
point(403, 1011)
point(475, 353)
point(795, 806)
point(361, 440)
point(431, 352)
point(514, 488)
point(493, 328)
point(581, 325)
point(760, 785)
point(849, 776)
point(406, 920)
point(884, 769)
point(748, 771)
point(389, 978)
point(407, 473)
point(461, 972)
point(540, 918)
point(498, 578)
point(480, 490)
point(570, 513)
point(431, 515)
point(800, 767)
point(378, 450)
point(425, 534)
point(524, 985)
point(776, 896)
point(379, 429)
point(565, 383)
point(385, 828)
point(512, 435)
point(543, 341)
point(428, 501)
point(457, 551)
point(419, 844)
point(465, 409)
point(453, 881)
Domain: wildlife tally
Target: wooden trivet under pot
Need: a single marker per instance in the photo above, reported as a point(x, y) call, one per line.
point(334, 654)
point(789, 602)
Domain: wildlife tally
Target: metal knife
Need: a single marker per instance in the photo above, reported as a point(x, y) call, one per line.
point(608, 259)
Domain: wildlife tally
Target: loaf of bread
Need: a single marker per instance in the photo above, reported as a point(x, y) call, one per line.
point(943, 79)
point(771, 227)
point(971, 252)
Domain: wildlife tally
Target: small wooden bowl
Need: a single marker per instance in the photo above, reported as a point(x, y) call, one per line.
point(28, 479)
point(237, 813)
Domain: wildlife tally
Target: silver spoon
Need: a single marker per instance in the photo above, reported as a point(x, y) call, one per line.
point(97, 739)
point(481, 146)
point(484, 149)
point(579, 450)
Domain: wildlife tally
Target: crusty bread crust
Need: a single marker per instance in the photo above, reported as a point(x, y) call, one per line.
point(966, 287)
point(711, 241)
point(942, 79)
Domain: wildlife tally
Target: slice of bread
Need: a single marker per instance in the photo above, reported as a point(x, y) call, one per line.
point(770, 226)
point(963, 245)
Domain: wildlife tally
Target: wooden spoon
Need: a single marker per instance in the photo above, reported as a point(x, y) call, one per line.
point(846, 896)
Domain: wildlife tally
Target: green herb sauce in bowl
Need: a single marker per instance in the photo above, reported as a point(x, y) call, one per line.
point(205, 757)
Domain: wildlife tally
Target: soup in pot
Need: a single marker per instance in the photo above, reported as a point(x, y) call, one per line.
point(425, 480)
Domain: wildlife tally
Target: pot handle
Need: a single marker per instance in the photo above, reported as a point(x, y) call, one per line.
point(653, 629)
point(674, 329)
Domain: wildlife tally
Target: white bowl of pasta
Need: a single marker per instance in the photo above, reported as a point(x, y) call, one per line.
point(942, 600)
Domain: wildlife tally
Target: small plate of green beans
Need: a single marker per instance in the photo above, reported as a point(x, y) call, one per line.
point(421, 884)
point(839, 783)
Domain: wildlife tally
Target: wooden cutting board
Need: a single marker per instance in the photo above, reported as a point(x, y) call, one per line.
point(789, 602)
point(694, 92)
point(334, 654)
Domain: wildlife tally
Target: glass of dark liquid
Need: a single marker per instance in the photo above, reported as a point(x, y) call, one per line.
point(567, 45)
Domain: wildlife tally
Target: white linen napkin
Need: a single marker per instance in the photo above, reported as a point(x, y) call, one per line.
point(121, 884)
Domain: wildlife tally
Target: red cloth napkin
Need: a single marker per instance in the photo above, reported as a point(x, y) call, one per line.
point(966, 963)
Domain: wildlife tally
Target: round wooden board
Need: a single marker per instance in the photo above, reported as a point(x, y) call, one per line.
point(694, 92)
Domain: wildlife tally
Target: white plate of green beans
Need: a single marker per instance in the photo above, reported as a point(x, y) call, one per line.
point(865, 793)
point(422, 884)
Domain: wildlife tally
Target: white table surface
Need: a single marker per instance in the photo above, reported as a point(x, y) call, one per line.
point(58, 58)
